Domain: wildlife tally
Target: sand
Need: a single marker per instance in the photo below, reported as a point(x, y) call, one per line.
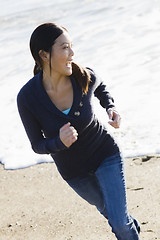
point(36, 204)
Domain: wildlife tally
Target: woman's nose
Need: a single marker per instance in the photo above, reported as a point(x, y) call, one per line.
point(71, 52)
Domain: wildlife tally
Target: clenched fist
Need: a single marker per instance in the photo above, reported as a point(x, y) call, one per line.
point(68, 134)
point(114, 118)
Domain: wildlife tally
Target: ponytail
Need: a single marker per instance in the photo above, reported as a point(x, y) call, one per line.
point(36, 69)
point(82, 76)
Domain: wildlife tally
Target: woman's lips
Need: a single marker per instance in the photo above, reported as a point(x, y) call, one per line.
point(69, 64)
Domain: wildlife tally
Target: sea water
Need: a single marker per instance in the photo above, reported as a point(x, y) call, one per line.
point(119, 39)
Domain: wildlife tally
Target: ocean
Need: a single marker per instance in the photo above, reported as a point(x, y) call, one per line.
point(119, 39)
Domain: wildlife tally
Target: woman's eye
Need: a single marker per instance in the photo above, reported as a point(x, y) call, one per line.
point(65, 47)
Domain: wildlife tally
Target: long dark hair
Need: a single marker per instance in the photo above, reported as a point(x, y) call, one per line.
point(43, 38)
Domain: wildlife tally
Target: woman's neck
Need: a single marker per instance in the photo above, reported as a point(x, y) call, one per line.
point(59, 89)
point(54, 81)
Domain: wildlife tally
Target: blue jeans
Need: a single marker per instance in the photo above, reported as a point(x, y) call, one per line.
point(107, 191)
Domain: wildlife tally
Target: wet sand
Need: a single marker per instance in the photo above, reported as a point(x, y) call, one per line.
point(36, 204)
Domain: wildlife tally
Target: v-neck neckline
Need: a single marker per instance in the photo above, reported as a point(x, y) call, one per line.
point(49, 102)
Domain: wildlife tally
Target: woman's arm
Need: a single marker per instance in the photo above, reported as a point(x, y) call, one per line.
point(107, 102)
point(39, 143)
point(104, 96)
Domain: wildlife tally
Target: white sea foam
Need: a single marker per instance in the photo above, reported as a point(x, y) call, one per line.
point(119, 39)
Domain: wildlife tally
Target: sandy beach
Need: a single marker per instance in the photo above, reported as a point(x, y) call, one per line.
point(36, 204)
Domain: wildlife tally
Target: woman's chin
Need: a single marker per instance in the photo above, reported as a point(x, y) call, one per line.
point(68, 71)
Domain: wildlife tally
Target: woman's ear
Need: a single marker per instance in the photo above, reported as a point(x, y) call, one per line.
point(44, 56)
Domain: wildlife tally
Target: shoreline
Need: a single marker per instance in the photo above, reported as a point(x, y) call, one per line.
point(37, 204)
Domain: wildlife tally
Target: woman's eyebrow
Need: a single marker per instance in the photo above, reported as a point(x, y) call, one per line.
point(66, 43)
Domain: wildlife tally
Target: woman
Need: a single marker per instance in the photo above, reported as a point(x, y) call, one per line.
point(56, 109)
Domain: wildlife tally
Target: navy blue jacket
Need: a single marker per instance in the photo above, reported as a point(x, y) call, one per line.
point(42, 121)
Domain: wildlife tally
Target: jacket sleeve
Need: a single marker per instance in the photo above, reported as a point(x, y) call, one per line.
point(39, 143)
point(102, 93)
point(104, 97)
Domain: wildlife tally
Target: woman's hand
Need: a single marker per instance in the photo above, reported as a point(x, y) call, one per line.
point(68, 134)
point(114, 118)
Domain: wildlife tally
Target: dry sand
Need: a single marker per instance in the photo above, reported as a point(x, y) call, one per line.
point(36, 204)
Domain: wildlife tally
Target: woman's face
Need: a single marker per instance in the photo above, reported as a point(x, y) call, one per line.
point(62, 55)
